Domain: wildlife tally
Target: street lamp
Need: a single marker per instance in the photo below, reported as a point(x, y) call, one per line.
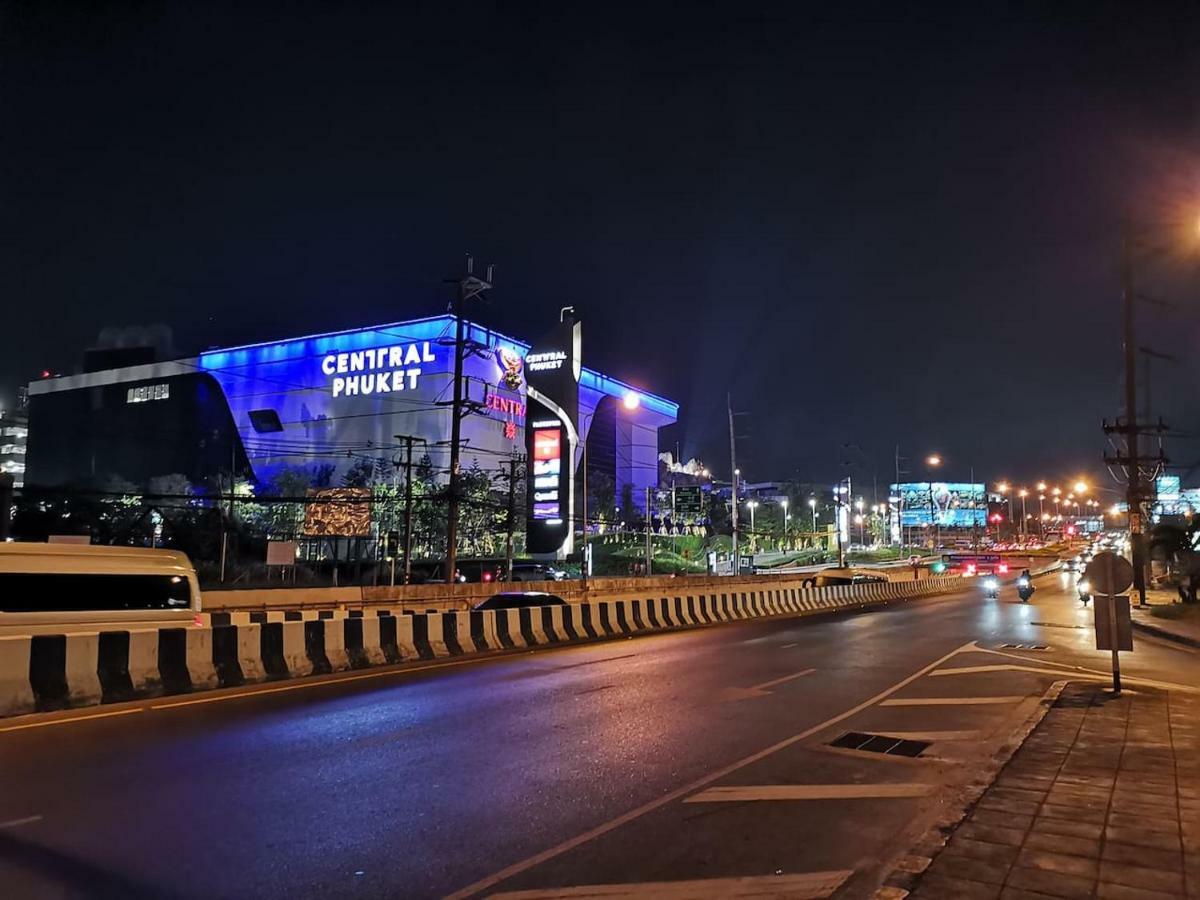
point(933, 461)
point(1081, 487)
point(784, 504)
point(1023, 494)
point(753, 504)
point(858, 520)
point(812, 504)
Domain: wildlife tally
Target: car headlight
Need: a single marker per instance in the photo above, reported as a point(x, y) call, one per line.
point(990, 584)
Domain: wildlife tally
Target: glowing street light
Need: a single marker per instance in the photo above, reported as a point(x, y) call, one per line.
point(1081, 487)
point(1041, 486)
point(812, 504)
point(933, 460)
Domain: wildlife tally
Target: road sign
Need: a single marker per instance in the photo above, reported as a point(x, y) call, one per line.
point(281, 553)
point(1109, 574)
point(1106, 615)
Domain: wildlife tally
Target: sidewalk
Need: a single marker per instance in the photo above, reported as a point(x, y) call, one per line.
point(1102, 800)
point(1185, 630)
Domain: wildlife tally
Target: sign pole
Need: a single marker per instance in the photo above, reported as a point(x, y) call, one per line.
point(1112, 618)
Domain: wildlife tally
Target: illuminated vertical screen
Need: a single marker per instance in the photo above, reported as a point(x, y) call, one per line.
point(547, 467)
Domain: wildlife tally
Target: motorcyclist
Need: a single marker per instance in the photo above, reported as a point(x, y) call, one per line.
point(1025, 585)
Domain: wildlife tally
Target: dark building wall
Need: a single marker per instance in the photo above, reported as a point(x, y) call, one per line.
point(89, 436)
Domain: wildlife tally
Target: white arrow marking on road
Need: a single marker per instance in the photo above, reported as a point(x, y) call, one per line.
point(806, 886)
point(758, 690)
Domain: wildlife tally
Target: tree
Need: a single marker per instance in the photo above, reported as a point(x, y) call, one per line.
point(360, 475)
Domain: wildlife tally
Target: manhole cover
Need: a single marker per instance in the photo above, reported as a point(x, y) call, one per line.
point(879, 743)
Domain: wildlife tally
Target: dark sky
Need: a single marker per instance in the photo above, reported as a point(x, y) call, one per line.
point(871, 224)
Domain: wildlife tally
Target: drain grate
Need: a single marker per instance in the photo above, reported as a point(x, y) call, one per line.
point(879, 743)
point(1024, 647)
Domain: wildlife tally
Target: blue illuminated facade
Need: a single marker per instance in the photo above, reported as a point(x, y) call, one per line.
point(329, 399)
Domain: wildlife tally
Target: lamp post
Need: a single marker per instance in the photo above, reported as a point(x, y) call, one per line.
point(784, 503)
point(812, 505)
point(1023, 494)
point(753, 537)
point(1005, 490)
point(933, 461)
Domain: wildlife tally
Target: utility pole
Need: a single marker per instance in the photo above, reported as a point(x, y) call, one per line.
point(512, 516)
point(734, 469)
point(649, 549)
point(469, 287)
point(409, 440)
point(583, 569)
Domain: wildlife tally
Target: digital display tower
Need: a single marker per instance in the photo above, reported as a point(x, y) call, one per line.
point(552, 370)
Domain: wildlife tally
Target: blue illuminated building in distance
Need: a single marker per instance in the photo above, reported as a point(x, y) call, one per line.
point(329, 399)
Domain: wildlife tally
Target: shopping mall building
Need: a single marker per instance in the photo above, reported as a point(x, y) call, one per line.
point(328, 399)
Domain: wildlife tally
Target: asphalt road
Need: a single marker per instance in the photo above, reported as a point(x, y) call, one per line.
point(699, 755)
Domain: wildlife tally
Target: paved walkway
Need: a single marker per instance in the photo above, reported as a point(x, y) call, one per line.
point(1102, 800)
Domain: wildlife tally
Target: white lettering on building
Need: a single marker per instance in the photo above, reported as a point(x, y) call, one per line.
point(544, 362)
point(384, 369)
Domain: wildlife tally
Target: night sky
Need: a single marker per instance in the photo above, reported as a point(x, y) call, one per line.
point(871, 224)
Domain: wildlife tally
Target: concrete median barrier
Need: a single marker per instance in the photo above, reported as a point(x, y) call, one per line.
point(47, 672)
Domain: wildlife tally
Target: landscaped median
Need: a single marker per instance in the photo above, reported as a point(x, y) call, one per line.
point(47, 672)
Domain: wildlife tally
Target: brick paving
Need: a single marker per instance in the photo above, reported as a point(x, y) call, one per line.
point(1102, 800)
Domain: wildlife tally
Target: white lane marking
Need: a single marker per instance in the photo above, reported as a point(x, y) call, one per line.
point(538, 858)
point(759, 690)
point(68, 721)
point(806, 886)
point(952, 701)
point(775, 681)
point(786, 646)
point(1074, 672)
point(739, 793)
point(14, 823)
point(976, 670)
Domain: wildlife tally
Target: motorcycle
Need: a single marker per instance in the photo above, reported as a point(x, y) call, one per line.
point(1085, 591)
point(1024, 589)
point(991, 588)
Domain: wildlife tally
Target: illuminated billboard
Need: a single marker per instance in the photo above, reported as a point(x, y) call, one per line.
point(956, 504)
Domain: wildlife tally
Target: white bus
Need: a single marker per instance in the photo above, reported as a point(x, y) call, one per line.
point(48, 587)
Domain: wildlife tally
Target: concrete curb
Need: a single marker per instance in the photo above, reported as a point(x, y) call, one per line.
point(1164, 633)
point(906, 876)
point(41, 673)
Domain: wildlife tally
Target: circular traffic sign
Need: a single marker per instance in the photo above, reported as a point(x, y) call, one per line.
point(1109, 573)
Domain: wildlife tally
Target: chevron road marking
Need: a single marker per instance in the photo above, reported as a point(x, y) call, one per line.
point(740, 793)
point(806, 886)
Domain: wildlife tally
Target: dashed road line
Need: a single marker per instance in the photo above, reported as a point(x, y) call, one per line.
point(16, 823)
point(48, 722)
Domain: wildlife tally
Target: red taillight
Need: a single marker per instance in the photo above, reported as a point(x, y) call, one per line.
point(487, 576)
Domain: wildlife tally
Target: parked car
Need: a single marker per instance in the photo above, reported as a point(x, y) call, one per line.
point(536, 572)
point(519, 600)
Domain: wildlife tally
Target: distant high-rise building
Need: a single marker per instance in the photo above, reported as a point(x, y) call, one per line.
point(14, 434)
